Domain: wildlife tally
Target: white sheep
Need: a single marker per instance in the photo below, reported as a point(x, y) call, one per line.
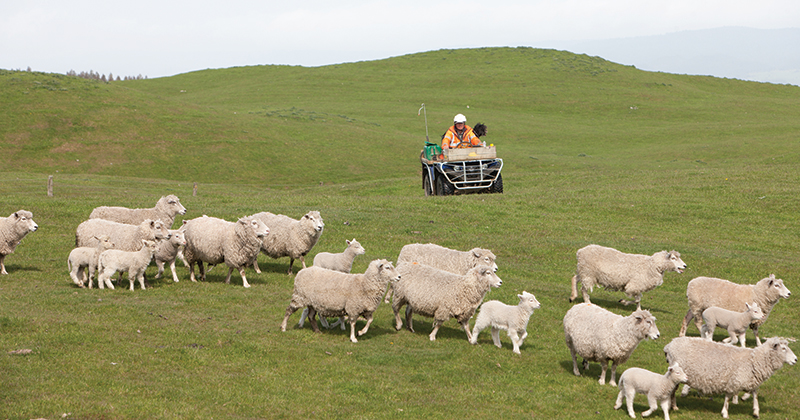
point(440, 294)
point(658, 388)
point(166, 209)
point(599, 335)
point(289, 237)
point(84, 259)
point(513, 319)
point(168, 251)
point(633, 274)
point(714, 368)
point(333, 293)
point(124, 236)
point(705, 292)
point(12, 229)
point(115, 260)
point(213, 240)
point(735, 322)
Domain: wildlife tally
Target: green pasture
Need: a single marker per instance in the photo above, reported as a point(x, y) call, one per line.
point(594, 152)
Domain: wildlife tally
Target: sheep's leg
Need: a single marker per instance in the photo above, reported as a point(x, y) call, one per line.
point(755, 331)
point(324, 322)
point(685, 323)
point(613, 381)
point(303, 260)
point(742, 340)
point(303, 317)
point(398, 322)
point(366, 327)
point(574, 294)
point(665, 408)
point(3, 264)
point(651, 401)
point(291, 264)
point(172, 270)
point(353, 330)
point(131, 279)
point(630, 393)
point(289, 311)
point(108, 280)
point(191, 272)
point(241, 273)
point(685, 391)
point(141, 280)
point(312, 319)
point(755, 404)
point(496, 337)
point(436, 325)
point(725, 406)
point(409, 318)
point(228, 278)
point(575, 369)
point(514, 336)
point(673, 399)
point(603, 369)
point(255, 265)
point(465, 326)
point(585, 292)
point(160, 265)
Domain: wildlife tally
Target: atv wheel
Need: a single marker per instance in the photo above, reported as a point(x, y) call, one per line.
point(497, 185)
point(443, 186)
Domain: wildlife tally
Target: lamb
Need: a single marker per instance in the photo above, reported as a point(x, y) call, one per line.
point(735, 322)
point(705, 292)
point(168, 251)
point(714, 368)
point(213, 240)
point(440, 294)
point(601, 336)
point(633, 274)
point(332, 293)
point(84, 259)
point(289, 237)
point(658, 388)
point(513, 319)
point(125, 237)
point(135, 263)
point(166, 209)
point(12, 229)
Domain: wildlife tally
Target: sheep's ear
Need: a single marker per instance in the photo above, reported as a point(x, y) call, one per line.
point(638, 318)
point(346, 241)
point(521, 296)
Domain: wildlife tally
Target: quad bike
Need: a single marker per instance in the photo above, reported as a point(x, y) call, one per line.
point(460, 171)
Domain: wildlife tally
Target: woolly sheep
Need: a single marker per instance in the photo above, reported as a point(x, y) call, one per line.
point(705, 292)
point(440, 294)
point(458, 262)
point(125, 237)
point(714, 368)
point(333, 293)
point(513, 319)
point(658, 388)
point(289, 237)
point(213, 240)
point(166, 209)
point(12, 229)
point(601, 336)
point(168, 251)
point(633, 274)
point(115, 260)
point(735, 322)
point(84, 259)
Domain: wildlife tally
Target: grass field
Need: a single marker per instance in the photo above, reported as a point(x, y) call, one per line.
point(594, 152)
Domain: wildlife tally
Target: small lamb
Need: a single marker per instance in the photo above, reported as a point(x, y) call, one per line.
point(135, 263)
point(658, 388)
point(513, 319)
point(736, 323)
point(83, 259)
point(168, 251)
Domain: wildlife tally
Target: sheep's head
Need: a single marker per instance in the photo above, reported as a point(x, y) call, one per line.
point(676, 373)
point(528, 299)
point(357, 248)
point(755, 311)
point(484, 256)
point(677, 263)
point(315, 220)
point(778, 286)
point(173, 204)
point(23, 222)
point(487, 275)
point(646, 323)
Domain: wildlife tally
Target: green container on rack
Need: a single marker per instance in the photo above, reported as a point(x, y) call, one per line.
point(432, 151)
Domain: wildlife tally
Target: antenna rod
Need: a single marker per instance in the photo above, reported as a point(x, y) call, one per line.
point(424, 111)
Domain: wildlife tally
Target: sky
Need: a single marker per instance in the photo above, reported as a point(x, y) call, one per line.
point(156, 38)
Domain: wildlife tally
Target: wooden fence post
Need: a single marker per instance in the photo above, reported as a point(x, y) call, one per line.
point(50, 186)
point(194, 190)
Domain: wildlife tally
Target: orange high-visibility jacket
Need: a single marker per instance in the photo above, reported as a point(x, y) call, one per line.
point(453, 141)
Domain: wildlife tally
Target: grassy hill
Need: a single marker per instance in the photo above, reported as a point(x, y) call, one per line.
point(594, 152)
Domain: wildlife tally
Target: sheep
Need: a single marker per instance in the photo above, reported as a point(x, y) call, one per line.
point(333, 293)
point(440, 294)
point(135, 263)
point(714, 368)
point(658, 388)
point(213, 240)
point(125, 237)
point(85, 259)
point(601, 336)
point(705, 292)
point(289, 237)
point(513, 319)
point(166, 209)
point(735, 322)
point(168, 251)
point(458, 262)
point(633, 274)
point(12, 229)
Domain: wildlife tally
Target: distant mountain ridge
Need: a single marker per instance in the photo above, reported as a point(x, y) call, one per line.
point(764, 55)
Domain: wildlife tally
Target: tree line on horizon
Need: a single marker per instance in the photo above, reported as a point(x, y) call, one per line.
point(91, 75)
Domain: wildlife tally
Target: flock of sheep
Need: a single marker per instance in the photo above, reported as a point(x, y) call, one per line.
point(442, 283)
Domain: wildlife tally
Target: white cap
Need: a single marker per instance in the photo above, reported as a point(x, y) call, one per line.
point(460, 118)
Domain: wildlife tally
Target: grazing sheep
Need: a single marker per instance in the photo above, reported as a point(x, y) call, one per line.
point(598, 335)
point(135, 263)
point(658, 388)
point(165, 210)
point(633, 274)
point(333, 293)
point(705, 292)
point(440, 294)
point(85, 259)
point(513, 319)
point(458, 262)
point(213, 240)
point(12, 229)
point(735, 322)
point(289, 237)
point(168, 251)
point(125, 237)
point(714, 368)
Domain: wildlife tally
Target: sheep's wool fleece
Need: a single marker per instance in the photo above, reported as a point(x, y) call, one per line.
point(597, 333)
point(333, 293)
point(619, 271)
point(125, 237)
point(705, 292)
point(446, 259)
point(11, 232)
point(215, 241)
point(289, 237)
